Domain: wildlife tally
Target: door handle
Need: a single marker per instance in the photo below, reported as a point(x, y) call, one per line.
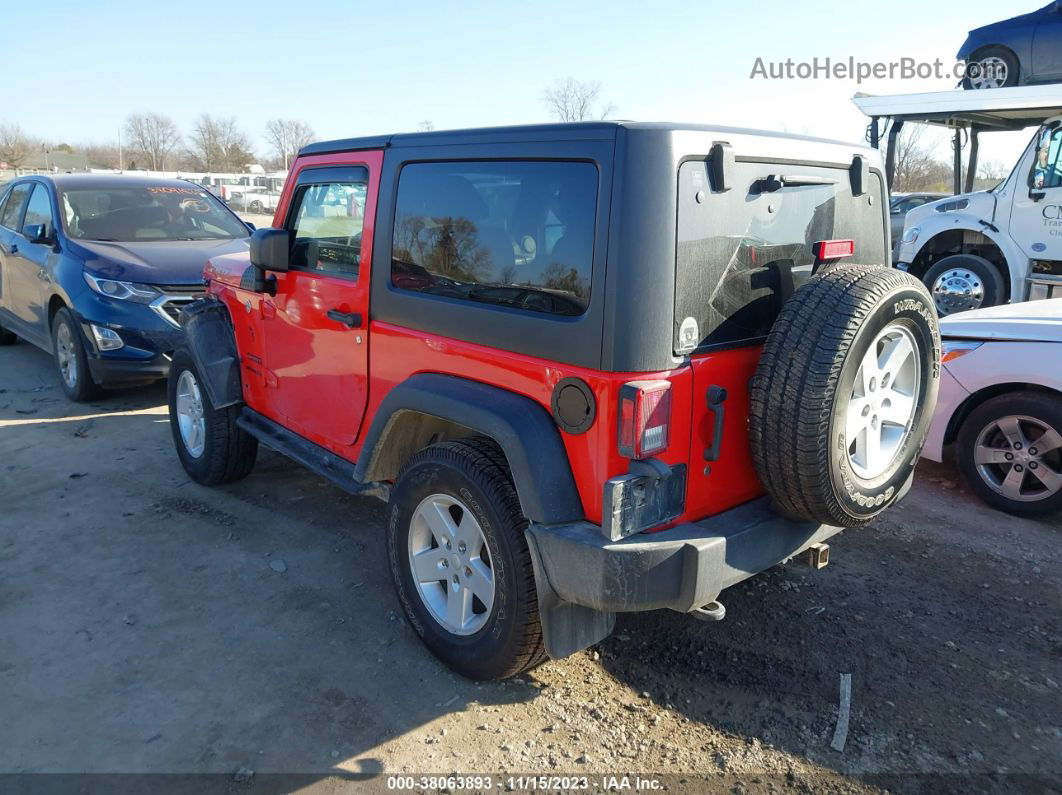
point(14, 248)
point(348, 319)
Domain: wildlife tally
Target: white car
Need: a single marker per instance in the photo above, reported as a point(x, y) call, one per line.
point(1001, 404)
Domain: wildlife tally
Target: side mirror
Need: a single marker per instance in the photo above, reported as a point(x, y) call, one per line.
point(1036, 195)
point(250, 226)
point(270, 250)
point(37, 233)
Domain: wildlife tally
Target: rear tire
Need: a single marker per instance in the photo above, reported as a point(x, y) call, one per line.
point(213, 449)
point(844, 393)
point(480, 615)
point(1030, 482)
point(71, 361)
point(963, 282)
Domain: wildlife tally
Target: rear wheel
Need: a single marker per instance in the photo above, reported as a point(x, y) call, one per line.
point(1009, 451)
point(963, 282)
point(71, 361)
point(213, 449)
point(461, 567)
point(844, 393)
point(992, 67)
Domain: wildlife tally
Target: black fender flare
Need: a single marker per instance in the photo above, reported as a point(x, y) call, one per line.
point(211, 341)
point(522, 428)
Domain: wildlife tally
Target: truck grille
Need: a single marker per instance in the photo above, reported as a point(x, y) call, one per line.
point(174, 299)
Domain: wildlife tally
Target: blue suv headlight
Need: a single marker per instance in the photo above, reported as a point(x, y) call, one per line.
point(123, 291)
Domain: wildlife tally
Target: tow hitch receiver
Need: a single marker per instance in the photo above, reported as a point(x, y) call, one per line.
point(818, 556)
point(713, 611)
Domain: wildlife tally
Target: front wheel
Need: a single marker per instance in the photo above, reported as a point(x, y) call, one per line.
point(461, 566)
point(992, 67)
point(963, 282)
point(71, 360)
point(1009, 451)
point(212, 448)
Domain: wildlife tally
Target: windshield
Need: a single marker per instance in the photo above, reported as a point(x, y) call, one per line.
point(148, 213)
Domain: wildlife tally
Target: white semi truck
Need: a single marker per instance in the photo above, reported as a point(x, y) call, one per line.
point(989, 247)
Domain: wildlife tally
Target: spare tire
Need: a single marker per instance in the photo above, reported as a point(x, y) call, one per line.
point(844, 393)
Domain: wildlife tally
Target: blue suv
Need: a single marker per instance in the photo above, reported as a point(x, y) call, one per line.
point(95, 269)
point(1024, 50)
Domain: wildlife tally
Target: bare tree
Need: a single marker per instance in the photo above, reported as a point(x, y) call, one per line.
point(104, 155)
point(287, 137)
point(218, 144)
point(574, 100)
point(917, 166)
point(15, 146)
point(153, 134)
point(990, 173)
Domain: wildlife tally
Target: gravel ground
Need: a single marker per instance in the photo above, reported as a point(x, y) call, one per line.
point(154, 626)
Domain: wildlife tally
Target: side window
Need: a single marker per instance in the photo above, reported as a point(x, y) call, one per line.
point(326, 225)
point(39, 209)
point(1047, 171)
point(514, 234)
point(16, 200)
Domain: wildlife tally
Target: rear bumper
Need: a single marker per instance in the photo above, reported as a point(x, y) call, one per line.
point(681, 569)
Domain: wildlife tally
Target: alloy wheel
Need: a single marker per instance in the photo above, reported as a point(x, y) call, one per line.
point(957, 290)
point(991, 72)
point(1020, 457)
point(451, 564)
point(190, 416)
point(884, 399)
point(66, 355)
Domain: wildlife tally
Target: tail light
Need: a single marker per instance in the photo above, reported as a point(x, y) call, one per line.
point(644, 417)
point(833, 250)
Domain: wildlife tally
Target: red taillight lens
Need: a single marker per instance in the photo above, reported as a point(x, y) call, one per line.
point(829, 250)
point(644, 418)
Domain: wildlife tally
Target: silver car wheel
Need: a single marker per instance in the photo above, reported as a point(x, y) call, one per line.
point(451, 564)
point(190, 415)
point(991, 72)
point(957, 290)
point(884, 398)
point(1020, 458)
point(66, 355)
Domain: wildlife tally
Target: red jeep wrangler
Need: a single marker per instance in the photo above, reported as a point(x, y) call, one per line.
point(593, 368)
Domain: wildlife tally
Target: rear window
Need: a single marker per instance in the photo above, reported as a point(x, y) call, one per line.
point(512, 234)
point(742, 252)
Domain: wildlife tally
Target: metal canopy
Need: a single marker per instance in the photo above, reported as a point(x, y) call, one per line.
point(969, 112)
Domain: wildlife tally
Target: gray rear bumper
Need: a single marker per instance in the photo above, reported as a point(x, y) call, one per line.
point(584, 579)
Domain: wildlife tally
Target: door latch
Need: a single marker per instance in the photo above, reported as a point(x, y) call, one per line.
point(716, 399)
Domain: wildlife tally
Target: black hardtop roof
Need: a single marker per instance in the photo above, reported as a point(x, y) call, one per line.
point(582, 130)
point(75, 181)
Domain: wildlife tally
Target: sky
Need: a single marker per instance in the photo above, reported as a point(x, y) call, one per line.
point(357, 68)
